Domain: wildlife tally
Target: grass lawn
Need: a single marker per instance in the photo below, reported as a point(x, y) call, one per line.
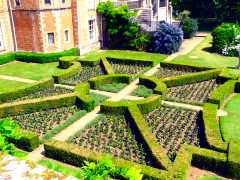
point(201, 56)
point(230, 124)
point(6, 85)
point(113, 87)
point(124, 54)
point(32, 71)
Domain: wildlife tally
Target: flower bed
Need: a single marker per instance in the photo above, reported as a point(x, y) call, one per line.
point(86, 73)
point(196, 93)
point(113, 135)
point(53, 91)
point(129, 68)
point(164, 72)
point(43, 121)
point(173, 127)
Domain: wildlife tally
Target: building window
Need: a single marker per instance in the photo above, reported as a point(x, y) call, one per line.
point(63, 1)
point(51, 39)
point(162, 3)
point(17, 2)
point(1, 39)
point(66, 34)
point(47, 1)
point(91, 29)
point(91, 4)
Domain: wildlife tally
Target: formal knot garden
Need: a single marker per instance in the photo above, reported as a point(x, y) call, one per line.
point(162, 118)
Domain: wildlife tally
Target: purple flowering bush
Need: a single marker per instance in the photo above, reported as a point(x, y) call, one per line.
point(167, 39)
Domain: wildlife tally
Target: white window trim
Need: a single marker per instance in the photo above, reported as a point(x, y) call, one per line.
point(94, 30)
point(69, 37)
point(54, 33)
point(91, 6)
point(2, 48)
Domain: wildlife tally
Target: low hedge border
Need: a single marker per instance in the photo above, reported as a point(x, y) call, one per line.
point(106, 66)
point(175, 65)
point(44, 57)
point(29, 106)
point(88, 62)
point(153, 83)
point(191, 78)
point(96, 82)
point(28, 141)
point(117, 60)
point(84, 100)
point(7, 57)
point(211, 128)
point(221, 93)
point(67, 73)
point(233, 161)
point(66, 61)
point(75, 155)
point(199, 157)
point(31, 88)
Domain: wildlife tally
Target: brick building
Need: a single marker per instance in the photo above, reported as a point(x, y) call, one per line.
point(57, 25)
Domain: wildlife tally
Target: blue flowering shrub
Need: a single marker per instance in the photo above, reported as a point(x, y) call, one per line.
point(167, 39)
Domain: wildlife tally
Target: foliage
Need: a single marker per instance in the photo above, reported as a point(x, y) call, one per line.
point(113, 87)
point(7, 57)
point(142, 91)
point(66, 61)
point(189, 27)
point(224, 36)
point(8, 130)
point(167, 39)
point(98, 98)
point(123, 30)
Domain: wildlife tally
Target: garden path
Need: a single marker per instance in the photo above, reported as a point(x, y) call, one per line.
point(13, 78)
point(188, 45)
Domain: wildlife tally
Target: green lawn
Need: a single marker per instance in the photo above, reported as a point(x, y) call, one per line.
point(124, 54)
point(230, 124)
point(6, 85)
point(200, 56)
point(32, 71)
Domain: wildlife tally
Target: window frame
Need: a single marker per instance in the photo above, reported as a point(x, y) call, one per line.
point(18, 5)
point(91, 31)
point(2, 44)
point(68, 39)
point(48, 3)
point(48, 42)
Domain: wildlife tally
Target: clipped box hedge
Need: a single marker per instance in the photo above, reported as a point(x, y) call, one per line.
point(44, 57)
point(96, 82)
point(75, 155)
point(85, 101)
point(191, 78)
point(233, 161)
point(33, 105)
point(125, 60)
point(31, 88)
point(28, 140)
point(219, 95)
point(7, 57)
point(66, 61)
point(106, 66)
point(179, 66)
point(153, 83)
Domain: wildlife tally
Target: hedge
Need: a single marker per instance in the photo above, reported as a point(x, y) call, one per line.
point(233, 162)
point(203, 158)
point(75, 155)
point(30, 106)
point(191, 78)
point(96, 82)
point(153, 83)
point(158, 153)
point(67, 73)
point(222, 92)
point(129, 61)
point(211, 128)
point(179, 66)
point(106, 66)
point(85, 101)
point(23, 91)
point(44, 57)
point(6, 58)
point(28, 140)
point(115, 107)
point(66, 61)
point(88, 62)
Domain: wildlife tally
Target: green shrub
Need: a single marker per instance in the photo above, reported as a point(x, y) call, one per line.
point(222, 92)
point(191, 78)
point(106, 66)
point(115, 107)
point(233, 163)
point(212, 132)
point(140, 61)
point(84, 100)
point(142, 91)
point(223, 36)
point(66, 61)
point(190, 27)
point(179, 66)
point(44, 57)
point(7, 57)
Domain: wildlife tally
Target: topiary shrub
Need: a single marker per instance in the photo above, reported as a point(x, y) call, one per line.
point(223, 36)
point(189, 27)
point(66, 61)
point(167, 39)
